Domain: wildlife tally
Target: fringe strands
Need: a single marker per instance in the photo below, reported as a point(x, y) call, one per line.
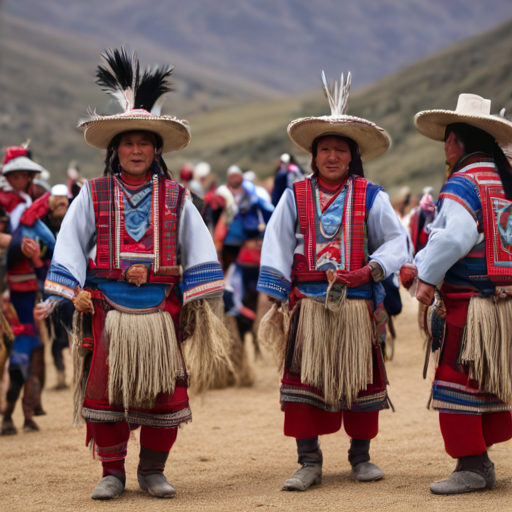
point(144, 357)
point(336, 349)
point(273, 332)
point(208, 344)
point(81, 363)
point(487, 345)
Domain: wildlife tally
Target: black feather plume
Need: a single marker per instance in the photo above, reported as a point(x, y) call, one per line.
point(152, 86)
point(122, 79)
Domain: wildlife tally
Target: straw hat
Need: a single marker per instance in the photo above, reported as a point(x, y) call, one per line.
point(471, 109)
point(22, 163)
point(141, 96)
point(372, 140)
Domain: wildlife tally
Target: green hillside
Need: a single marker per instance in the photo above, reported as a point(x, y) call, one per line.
point(481, 65)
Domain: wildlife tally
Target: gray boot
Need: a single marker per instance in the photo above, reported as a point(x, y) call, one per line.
point(150, 473)
point(359, 457)
point(304, 478)
point(473, 473)
point(310, 458)
point(367, 472)
point(109, 488)
point(156, 485)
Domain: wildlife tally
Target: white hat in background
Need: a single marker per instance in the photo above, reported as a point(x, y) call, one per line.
point(22, 163)
point(59, 190)
point(234, 169)
point(201, 170)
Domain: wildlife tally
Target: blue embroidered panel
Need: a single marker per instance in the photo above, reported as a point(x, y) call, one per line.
point(61, 275)
point(202, 274)
point(137, 212)
point(466, 190)
point(273, 283)
point(371, 193)
point(131, 296)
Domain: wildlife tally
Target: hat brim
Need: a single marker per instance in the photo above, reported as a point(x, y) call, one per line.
point(433, 123)
point(99, 131)
point(372, 140)
point(22, 163)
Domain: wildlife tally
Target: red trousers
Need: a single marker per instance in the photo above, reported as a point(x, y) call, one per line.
point(304, 421)
point(114, 434)
point(465, 434)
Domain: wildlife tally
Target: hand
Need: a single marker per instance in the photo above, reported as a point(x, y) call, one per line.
point(83, 302)
point(354, 278)
point(425, 293)
point(30, 248)
point(137, 274)
point(408, 274)
point(44, 309)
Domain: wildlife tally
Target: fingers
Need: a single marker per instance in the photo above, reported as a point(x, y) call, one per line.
point(408, 273)
point(83, 302)
point(425, 293)
point(137, 275)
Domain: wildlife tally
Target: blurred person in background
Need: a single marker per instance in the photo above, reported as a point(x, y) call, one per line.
point(466, 269)
point(240, 243)
point(75, 182)
point(51, 210)
point(331, 241)
point(287, 174)
point(19, 171)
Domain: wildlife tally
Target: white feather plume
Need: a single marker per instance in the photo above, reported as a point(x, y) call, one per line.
point(337, 94)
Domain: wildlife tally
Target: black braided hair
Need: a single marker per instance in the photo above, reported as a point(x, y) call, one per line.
point(475, 140)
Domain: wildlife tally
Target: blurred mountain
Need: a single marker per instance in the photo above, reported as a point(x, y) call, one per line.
point(481, 65)
point(237, 67)
point(281, 44)
point(47, 85)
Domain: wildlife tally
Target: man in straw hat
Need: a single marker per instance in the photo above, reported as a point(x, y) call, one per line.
point(329, 243)
point(469, 255)
point(127, 241)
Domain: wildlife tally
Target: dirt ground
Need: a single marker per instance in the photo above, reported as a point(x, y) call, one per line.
point(234, 457)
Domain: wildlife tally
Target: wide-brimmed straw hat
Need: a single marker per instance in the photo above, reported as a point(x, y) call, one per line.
point(22, 163)
point(372, 140)
point(141, 96)
point(471, 109)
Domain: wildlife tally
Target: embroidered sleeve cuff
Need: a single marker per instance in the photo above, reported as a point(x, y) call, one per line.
point(273, 283)
point(203, 281)
point(60, 282)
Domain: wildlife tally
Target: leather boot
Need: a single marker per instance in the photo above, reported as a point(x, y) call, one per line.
point(310, 472)
point(114, 475)
point(8, 428)
point(472, 473)
point(150, 473)
point(30, 396)
point(359, 457)
point(108, 488)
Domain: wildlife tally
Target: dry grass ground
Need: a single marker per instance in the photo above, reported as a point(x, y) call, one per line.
point(234, 457)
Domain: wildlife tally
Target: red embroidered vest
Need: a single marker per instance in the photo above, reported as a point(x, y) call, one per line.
point(158, 248)
point(497, 221)
point(353, 225)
